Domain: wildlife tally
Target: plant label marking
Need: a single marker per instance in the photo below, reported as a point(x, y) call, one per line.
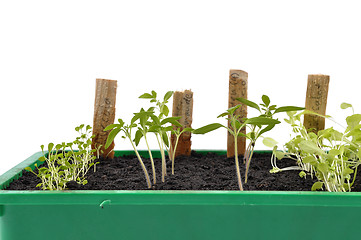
point(316, 100)
point(238, 83)
point(183, 107)
point(104, 114)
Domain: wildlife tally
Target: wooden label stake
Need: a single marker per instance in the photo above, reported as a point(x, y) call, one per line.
point(104, 114)
point(316, 101)
point(183, 107)
point(238, 84)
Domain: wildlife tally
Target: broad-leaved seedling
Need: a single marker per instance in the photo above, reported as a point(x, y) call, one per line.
point(177, 133)
point(266, 110)
point(127, 131)
point(143, 129)
point(257, 125)
point(160, 126)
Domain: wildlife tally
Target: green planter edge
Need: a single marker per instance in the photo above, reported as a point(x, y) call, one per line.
point(119, 214)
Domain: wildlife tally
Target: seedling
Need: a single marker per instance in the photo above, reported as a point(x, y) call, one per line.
point(257, 125)
point(127, 131)
point(65, 164)
point(159, 126)
point(148, 121)
point(235, 128)
point(266, 110)
point(143, 129)
point(177, 132)
point(330, 155)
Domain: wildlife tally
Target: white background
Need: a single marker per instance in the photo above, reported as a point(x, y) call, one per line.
point(51, 52)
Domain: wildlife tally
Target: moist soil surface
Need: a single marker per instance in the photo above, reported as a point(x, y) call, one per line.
point(195, 172)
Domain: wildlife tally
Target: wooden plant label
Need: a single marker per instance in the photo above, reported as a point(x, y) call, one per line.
point(104, 114)
point(316, 101)
point(238, 84)
point(183, 107)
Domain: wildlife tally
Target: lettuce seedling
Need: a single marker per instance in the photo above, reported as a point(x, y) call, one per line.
point(330, 155)
point(127, 131)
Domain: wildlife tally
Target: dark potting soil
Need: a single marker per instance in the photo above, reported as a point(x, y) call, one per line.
point(196, 172)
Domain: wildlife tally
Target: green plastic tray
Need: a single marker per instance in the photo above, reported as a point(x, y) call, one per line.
point(174, 214)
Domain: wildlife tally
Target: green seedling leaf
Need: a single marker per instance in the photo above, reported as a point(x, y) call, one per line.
point(353, 121)
point(146, 96)
point(231, 110)
point(249, 103)
point(155, 120)
point(154, 94)
point(326, 133)
point(111, 126)
point(241, 134)
point(168, 95)
point(272, 107)
point(238, 124)
point(28, 169)
point(111, 137)
point(334, 152)
point(266, 129)
point(310, 147)
point(154, 128)
point(309, 159)
point(208, 128)
point(323, 167)
point(168, 129)
point(288, 109)
point(164, 110)
point(58, 147)
point(275, 170)
point(151, 109)
point(142, 116)
point(252, 135)
point(266, 100)
point(138, 136)
point(188, 130)
point(314, 113)
point(165, 139)
point(317, 186)
point(172, 120)
point(262, 121)
point(223, 114)
point(50, 147)
point(345, 105)
point(279, 155)
point(347, 171)
point(269, 142)
point(302, 174)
